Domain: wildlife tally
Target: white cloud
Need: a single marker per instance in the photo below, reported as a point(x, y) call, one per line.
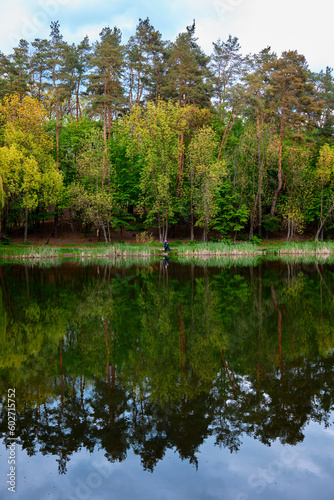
point(299, 25)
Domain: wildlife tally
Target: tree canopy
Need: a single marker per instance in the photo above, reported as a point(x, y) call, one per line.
point(152, 102)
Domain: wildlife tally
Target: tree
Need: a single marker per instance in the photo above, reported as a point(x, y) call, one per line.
point(55, 64)
point(27, 169)
point(207, 173)
point(257, 87)
point(187, 79)
point(226, 66)
point(105, 88)
point(299, 180)
point(156, 130)
point(145, 54)
point(105, 82)
point(14, 71)
point(127, 164)
point(81, 66)
point(325, 167)
point(93, 193)
point(39, 67)
point(325, 93)
point(291, 102)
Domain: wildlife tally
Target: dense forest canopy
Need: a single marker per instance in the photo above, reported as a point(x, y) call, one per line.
point(152, 133)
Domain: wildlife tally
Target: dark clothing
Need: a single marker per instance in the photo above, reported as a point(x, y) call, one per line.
point(166, 247)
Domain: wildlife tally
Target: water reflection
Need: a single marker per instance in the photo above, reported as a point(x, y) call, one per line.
point(162, 357)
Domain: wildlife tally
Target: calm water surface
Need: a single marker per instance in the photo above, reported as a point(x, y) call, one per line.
point(173, 381)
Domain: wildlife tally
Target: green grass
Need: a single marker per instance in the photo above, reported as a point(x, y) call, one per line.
point(219, 248)
point(148, 250)
point(103, 250)
point(30, 252)
point(117, 250)
point(302, 248)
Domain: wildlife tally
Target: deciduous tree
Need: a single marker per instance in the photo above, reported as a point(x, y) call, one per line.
point(208, 174)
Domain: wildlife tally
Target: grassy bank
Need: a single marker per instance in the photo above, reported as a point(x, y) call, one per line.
point(319, 248)
point(188, 249)
point(117, 250)
point(217, 249)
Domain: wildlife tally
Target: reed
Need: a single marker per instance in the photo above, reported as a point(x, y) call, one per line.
point(217, 249)
point(303, 248)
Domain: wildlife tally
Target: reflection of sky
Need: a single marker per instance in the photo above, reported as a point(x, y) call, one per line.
point(255, 472)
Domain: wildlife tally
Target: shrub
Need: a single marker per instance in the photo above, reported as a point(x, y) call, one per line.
point(144, 237)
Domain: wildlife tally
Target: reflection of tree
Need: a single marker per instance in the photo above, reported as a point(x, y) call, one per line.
point(123, 359)
point(109, 421)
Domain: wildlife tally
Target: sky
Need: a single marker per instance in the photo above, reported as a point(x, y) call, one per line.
point(302, 25)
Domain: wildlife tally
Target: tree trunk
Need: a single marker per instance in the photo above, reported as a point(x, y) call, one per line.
point(55, 226)
point(3, 221)
point(57, 128)
point(251, 229)
point(322, 225)
point(192, 225)
point(191, 203)
point(205, 234)
point(180, 143)
point(104, 133)
point(104, 233)
point(259, 186)
point(26, 225)
point(280, 150)
point(225, 134)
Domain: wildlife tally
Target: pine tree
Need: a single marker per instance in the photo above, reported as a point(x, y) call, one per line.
point(256, 82)
point(145, 54)
point(226, 65)
point(105, 87)
point(83, 54)
point(291, 102)
point(39, 66)
point(188, 79)
point(325, 82)
point(14, 71)
point(55, 65)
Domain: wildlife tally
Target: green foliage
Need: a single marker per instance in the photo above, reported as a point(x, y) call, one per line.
point(272, 117)
point(207, 175)
point(156, 131)
point(230, 217)
point(6, 241)
point(256, 240)
point(271, 223)
point(28, 172)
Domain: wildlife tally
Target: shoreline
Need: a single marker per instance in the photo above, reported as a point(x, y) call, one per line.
point(185, 250)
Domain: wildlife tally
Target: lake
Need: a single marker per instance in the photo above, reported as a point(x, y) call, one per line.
point(167, 380)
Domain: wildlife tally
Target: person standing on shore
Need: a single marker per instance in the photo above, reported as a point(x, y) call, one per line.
point(166, 246)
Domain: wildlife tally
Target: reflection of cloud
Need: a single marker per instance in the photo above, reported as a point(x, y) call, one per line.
point(303, 464)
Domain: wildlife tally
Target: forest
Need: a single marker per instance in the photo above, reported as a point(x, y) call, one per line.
point(152, 133)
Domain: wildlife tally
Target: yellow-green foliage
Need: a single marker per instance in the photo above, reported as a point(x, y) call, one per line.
point(27, 169)
point(208, 174)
